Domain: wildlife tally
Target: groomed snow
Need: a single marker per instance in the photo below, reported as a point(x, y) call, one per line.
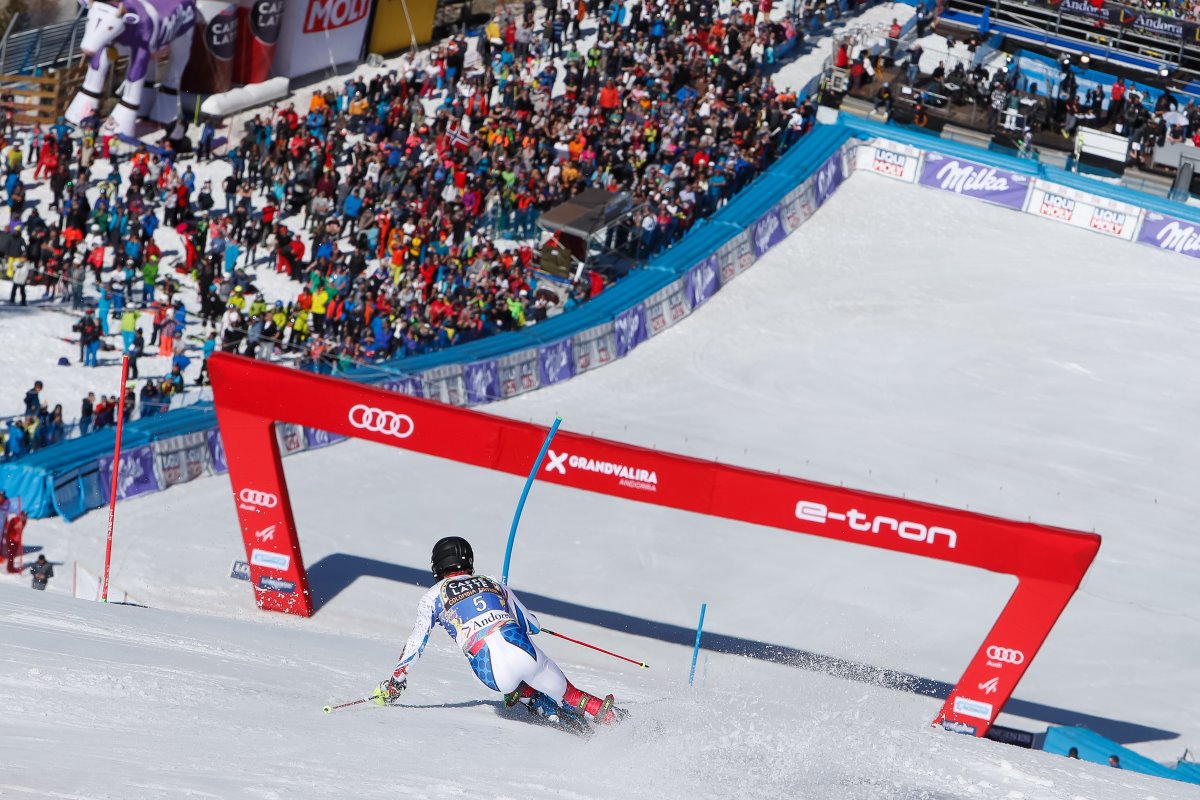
point(975, 357)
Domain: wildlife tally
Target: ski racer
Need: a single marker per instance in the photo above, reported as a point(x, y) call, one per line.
point(492, 627)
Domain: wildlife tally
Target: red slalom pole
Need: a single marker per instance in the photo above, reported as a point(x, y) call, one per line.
point(641, 664)
point(116, 471)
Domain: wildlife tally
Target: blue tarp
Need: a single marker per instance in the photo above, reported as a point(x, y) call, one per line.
point(1097, 749)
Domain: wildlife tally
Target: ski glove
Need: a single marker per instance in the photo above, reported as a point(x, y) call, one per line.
point(389, 691)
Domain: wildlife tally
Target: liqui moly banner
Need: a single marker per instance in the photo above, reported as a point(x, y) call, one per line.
point(313, 34)
point(893, 159)
point(828, 178)
point(181, 458)
point(630, 329)
point(1169, 233)
point(795, 209)
point(518, 373)
point(666, 307)
point(444, 384)
point(767, 232)
point(482, 382)
point(137, 474)
point(315, 437)
point(974, 180)
point(704, 280)
point(595, 347)
point(735, 256)
point(556, 362)
point(1063, 204)
point(216, 452)
point(291, 438)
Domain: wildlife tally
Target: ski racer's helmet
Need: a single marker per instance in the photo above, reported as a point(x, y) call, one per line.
point(452, 554)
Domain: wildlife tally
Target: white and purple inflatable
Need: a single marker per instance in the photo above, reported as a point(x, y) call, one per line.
point(142, 28)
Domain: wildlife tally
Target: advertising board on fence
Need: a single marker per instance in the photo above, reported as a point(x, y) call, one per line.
point(893, 159)
point(181, 458)
point(828, 178)
point(767, 232)
point(630, 329)
point(405, 384)
point(137, 474)
point(974, 180)
point(703, 281)
point(443, 384)
point(315, 437)
point(666, 307)
point(735, 256)
point(518, 373)
point(1169, 233)
point(794, 211)
point(556, 362)
point(594, 347)
point(291, 438)
point(216, 451)
point(1082, 210)
point(481, 381)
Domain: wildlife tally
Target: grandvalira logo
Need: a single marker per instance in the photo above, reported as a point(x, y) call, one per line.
point(377, 420)
point(631, 477)
point(253, 500)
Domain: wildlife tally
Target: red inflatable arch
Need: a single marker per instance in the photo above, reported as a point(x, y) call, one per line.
point(251, 396)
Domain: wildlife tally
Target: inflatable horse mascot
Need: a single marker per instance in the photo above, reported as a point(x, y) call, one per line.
point(143, 28)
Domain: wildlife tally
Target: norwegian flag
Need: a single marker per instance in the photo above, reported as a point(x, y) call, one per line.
point(455, 135)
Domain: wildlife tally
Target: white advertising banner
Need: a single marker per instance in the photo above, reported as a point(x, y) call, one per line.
point(889, 158)
point(1082, 210)
point(318, 34)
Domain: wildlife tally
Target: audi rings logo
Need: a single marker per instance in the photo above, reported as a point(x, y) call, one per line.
point(388, 423)
point(1004, 655)
point(253, 497)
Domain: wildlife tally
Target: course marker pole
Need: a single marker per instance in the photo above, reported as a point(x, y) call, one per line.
point(512, 533)
point(116, 471)
point(696, 649)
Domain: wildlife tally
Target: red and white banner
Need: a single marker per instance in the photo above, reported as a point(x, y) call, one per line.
point(1087, 211)
point(317, 35)
point(251, 395)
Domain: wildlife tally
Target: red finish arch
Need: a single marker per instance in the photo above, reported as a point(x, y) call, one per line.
point(251, 396)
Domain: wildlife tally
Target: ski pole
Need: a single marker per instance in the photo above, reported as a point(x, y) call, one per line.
point(641, 664)
point(331, 709)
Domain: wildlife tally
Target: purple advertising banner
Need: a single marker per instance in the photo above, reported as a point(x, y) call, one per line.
point(1168, 233)
point(703, 281)
point(556, 362)
point(315, 437)
point(828, 178)
point(974, 180)
point(408, 384)
point(216, 451)
point(137, 473)
point(630, 329)
point(767, 232)
point(482, 381)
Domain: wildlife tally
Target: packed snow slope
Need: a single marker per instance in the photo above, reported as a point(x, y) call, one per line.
point(1016, 367)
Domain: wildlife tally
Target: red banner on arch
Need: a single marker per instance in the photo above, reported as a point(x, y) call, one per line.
point(251, 396)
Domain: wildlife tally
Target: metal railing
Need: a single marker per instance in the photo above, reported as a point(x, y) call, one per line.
point(30, 51)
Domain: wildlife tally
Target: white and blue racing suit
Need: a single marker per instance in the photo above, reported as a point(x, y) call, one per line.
point(492, 627)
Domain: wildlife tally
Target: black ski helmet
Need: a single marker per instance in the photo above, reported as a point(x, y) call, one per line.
point(451, 554)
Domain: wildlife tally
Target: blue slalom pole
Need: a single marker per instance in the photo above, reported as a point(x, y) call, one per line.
point(512, 533)
point(696, 649)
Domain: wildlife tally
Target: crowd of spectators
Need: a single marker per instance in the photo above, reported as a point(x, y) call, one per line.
point(403, 204)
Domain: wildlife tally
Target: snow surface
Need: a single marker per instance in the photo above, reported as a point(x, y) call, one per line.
point(975, 358)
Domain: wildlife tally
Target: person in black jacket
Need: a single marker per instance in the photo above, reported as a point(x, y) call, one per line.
point(42, 571)
point(33, 403)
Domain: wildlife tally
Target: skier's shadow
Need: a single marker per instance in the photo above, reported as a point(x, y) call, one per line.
point(335, 572)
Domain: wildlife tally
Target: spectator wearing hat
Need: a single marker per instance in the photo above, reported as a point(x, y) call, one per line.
point(42, 571)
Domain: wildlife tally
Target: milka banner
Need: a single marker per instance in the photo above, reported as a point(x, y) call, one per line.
point(1169, 233)
point(767, 232)
point(974, 180)
point(216, 451)
point(482, 381)
point(828, 178)
point(1144, 22)
point(630, 329)
point(137, 472)
point(407, 384)
point(315, 437)
point(704, 280)
point(556, 362)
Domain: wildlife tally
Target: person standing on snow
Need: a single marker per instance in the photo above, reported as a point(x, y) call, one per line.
point(492, 627)
point(42, 571)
